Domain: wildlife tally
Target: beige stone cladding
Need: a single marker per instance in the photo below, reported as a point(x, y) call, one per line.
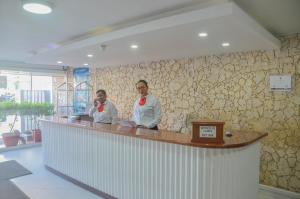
point(230, 87)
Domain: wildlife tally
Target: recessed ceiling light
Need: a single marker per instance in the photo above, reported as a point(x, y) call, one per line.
point(134, 46)
point(59, 62)
point(85, 64)
point(202, 34)
point(90, 55)
point(37, 6)
point(225, 44)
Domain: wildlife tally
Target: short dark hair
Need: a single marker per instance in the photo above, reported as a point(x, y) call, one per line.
point(101, 91)
point(142, 81)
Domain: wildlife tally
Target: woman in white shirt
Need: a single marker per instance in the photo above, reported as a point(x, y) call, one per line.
point(147, 109)
point(103, 111)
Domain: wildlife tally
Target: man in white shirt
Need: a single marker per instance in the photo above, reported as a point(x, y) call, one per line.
point(147, 109)
point(103, 111)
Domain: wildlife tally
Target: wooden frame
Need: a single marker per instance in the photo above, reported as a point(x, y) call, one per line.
point(213, 134)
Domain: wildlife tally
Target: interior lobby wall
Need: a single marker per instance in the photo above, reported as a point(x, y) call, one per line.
point(230, 87)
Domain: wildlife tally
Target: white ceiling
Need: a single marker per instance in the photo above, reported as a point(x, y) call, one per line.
point(280, 17)
point(163, 29)
point(23, 33)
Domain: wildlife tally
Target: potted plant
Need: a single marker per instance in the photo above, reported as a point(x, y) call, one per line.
point(13, 136)
point(37, 135)
point(36, 132)
point(24, 108)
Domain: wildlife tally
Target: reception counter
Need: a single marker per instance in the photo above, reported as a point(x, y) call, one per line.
point(122, 162)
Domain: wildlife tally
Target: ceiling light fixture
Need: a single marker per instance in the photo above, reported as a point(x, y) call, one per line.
point(37, 6)
point(202, 34)
point(90, 55)
point(225, 44)
point(85, 64)
point(134, 46)
point(59, 62)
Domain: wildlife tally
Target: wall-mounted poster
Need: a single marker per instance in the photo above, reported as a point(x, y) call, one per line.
point(81, 91)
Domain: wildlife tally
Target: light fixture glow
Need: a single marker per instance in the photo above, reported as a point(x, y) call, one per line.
point(225, 44)
point(90, 55)
point(37, 6)
point(202, 34)
point(85, 64)
point(134, 46)
point(59, 62)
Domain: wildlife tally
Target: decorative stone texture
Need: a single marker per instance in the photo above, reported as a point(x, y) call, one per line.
point(230, 87)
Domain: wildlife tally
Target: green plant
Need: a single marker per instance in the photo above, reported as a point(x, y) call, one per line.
point(26, 108)
point(11, 125)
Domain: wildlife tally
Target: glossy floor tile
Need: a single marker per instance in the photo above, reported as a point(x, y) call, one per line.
point(42, 184)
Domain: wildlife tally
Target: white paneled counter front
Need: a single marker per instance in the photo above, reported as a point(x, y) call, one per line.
point(129, 163)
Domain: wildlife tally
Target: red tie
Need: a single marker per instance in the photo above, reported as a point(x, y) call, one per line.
point(142, 101)
point(101, 107)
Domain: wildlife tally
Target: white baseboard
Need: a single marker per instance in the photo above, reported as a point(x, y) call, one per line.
point(267, 192)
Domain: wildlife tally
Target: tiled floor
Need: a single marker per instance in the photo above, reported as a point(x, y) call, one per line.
point(42, 184)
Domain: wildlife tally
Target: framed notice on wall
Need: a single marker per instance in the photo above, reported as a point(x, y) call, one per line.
point(280, 82)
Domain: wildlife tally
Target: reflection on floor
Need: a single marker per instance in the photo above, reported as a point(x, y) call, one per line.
point(42, 184)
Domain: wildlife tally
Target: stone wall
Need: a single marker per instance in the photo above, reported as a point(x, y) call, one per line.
point(230, 87)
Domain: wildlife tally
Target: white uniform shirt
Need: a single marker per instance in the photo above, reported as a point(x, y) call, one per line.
point(108, 115)
point(148, 115)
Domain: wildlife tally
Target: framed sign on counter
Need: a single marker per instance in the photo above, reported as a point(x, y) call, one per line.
point(208, 131)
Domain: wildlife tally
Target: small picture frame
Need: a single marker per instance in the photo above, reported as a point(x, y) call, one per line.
point(208, 131)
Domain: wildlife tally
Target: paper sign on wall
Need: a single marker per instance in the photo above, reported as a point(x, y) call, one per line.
point(280, 82)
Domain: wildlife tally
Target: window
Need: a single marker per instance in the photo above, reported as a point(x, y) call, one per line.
point(18, 92)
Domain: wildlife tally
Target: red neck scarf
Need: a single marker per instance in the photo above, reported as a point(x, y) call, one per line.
point(101, 107)
point(142, 101)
